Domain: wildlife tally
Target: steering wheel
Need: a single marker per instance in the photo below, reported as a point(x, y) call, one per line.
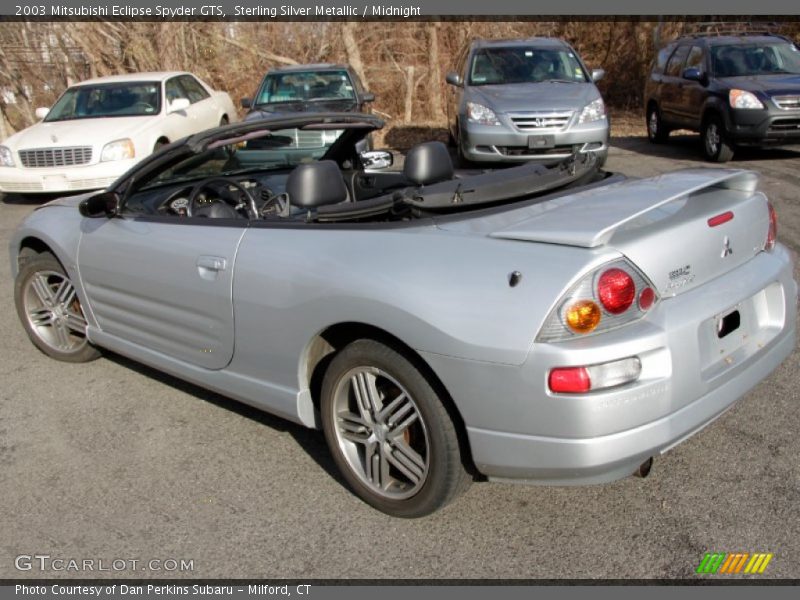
point(226, 204)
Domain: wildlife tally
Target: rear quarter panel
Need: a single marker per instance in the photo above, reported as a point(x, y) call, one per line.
point(439, 292)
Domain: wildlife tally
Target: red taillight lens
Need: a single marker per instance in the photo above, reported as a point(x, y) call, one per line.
point(646, 298)
point(569, 380)
point(616, 291)
point(772, 231)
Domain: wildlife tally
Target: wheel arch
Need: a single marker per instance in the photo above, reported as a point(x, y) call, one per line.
point(30, 246)
point(324, 346)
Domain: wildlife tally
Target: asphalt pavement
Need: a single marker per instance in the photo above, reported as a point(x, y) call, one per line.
point(114, 461)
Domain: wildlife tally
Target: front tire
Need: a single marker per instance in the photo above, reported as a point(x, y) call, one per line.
point(716, 146)
point(50, 311)
point(389, 432)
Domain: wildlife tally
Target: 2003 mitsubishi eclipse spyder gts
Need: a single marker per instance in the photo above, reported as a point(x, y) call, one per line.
point(556, 325)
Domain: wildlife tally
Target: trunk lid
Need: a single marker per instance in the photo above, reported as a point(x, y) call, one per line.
point(681, 229)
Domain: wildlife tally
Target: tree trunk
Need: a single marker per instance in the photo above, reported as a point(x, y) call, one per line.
point(409, 104)
point(435, 72)
point(353, 53)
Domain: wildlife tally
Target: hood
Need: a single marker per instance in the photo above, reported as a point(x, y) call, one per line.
point(68, 201)
point(77, 132)
point(553, 95)
point(772, 85)
point(288, 108)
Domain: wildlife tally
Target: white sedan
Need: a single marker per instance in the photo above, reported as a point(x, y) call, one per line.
point(100, 128)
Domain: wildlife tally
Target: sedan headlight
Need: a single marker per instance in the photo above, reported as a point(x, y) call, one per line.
point(594, 111)
point(744, 99)
point(118, 150)
point(478, 113)
point(6, 157)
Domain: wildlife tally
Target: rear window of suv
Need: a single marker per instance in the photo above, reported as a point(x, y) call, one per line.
point(737, 60)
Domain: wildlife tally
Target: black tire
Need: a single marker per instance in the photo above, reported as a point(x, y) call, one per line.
point(716, 146)
point(438, 473)
point(657, 131)
point(50, 310)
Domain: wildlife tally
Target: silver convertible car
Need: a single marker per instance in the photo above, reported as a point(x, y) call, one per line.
point(554, 325)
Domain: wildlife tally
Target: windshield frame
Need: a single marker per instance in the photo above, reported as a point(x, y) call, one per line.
point(77, 89)
point(342, 73)
point(786, 46)
point(566, 54)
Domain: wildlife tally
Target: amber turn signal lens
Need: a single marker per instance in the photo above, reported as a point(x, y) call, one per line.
point(583, 316)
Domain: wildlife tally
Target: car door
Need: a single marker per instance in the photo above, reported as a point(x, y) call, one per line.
point(180, 123)
point(202, 109)
point(671, 85)
point(164, 283)
point(693, 93)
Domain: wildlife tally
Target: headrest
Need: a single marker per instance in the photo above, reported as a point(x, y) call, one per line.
point(316, 184)
point(428, 163)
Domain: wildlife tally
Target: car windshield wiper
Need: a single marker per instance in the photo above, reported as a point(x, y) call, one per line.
point(561, 81)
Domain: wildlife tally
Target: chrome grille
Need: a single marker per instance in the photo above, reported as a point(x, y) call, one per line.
point(55, 157)
point(309, 138)
point(787, 102)
point(539, 121)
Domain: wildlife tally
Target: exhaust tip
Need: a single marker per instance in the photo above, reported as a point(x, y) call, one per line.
point(644, 468)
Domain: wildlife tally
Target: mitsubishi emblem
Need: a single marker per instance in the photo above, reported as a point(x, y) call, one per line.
point(726, 247)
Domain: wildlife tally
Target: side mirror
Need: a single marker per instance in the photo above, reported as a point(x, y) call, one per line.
point(598, 74)
point(454, 78)
point(104, 204)
point(368, 97)
point(376, 159)
point(41, 112)
point(178, 104)
point(246, 102)
point(692, 74)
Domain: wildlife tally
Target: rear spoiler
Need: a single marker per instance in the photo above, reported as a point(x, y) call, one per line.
point(589, 219)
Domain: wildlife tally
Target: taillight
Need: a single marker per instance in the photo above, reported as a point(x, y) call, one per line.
point(589, 378)
point(772, 231)
point(616, 291)
point(569, 380)
point(608, 297)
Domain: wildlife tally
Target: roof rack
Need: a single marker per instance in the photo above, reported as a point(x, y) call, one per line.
point(737, 28)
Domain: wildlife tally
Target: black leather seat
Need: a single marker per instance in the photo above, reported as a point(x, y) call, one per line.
point(316, 184)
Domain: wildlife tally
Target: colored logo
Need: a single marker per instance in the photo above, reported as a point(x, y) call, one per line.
point(743, 563)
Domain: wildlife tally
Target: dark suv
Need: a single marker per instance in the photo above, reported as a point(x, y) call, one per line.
point(735, 90)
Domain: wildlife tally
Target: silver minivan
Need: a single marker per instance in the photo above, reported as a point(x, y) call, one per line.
point(521, 100)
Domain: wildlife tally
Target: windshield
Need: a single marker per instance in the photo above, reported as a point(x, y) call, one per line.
point(739, 60)
point(124, 99)
point(306, 86)
point(263, 151)
point(525, 64)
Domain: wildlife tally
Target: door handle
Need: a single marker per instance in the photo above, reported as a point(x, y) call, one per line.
point(212, 263)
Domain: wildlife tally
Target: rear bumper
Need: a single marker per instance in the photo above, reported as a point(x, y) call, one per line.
point(62, 179)
point(504, 143)
point(519, 430)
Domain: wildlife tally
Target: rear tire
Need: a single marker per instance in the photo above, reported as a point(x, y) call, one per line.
point(716, 146)
point(50, 310)
point(657, 132)
point(389, 432)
